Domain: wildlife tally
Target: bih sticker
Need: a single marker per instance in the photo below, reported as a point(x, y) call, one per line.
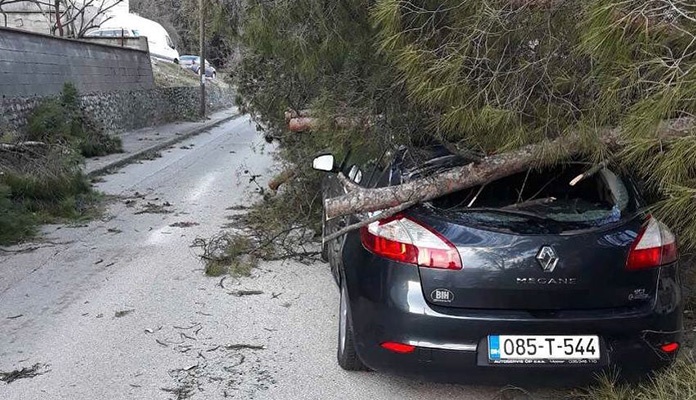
point(442, 296)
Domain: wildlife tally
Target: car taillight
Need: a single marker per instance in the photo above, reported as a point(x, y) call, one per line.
point(398, 347)
point(654, 246)
point(670, 347)
point(402, 239)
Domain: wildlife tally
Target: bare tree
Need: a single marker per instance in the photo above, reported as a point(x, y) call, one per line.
point(83, 15)
point(71, 18)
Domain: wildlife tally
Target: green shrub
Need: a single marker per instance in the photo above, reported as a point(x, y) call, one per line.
point(45, 187)
point(97, 144)
point(60, 121)
point(16, 224)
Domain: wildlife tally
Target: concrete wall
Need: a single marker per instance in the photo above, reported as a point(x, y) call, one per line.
point(125, 110)
point(38, 65)
point(138, 43)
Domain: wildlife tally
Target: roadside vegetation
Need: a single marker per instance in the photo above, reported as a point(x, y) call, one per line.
point(41, 179)
point(675, 383)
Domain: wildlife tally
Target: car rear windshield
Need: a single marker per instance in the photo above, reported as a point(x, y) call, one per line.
point(543, 200)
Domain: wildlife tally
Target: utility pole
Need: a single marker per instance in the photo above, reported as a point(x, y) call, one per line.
point(201, 68)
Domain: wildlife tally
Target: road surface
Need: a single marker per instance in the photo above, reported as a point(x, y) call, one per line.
point(119, 308)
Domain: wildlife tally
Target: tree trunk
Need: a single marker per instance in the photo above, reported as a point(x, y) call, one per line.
point(20, 146)
point(301, 124)
point(361, 200)
point(429, 188)
point(282, 178)
point(59, 23)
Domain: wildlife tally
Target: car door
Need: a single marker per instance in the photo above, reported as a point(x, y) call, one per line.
point(366, 174)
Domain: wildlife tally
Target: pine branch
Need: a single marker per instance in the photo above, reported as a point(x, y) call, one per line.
point(489, 169)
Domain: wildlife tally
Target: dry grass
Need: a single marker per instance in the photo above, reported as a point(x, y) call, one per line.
point(675, 383)
point(172, 75)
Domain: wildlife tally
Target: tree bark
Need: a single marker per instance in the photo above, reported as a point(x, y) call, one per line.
point(282, 178)
point(20, 146)
point(429, 188)
point(302, 124)
point(304, 121)
point(362, 200)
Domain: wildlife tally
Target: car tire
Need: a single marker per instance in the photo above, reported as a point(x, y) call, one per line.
point(347, 356)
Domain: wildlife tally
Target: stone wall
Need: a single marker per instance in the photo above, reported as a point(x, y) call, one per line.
point(33, 64)
point(127, 110)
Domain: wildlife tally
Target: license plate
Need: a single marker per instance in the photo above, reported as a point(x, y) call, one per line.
point(543, 349)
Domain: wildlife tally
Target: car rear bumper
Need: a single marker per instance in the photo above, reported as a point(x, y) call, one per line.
point(387, 305)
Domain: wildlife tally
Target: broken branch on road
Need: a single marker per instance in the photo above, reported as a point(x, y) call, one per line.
point(245, 347)
point(24, 373)
point(242, 293)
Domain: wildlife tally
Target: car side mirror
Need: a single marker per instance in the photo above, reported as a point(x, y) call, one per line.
point(325, 162)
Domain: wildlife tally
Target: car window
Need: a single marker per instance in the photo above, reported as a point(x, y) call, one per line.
point(355, 174)
point(547, 194)
point(375, 169)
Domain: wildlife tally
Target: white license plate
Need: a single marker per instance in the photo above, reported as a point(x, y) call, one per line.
point(543, 349)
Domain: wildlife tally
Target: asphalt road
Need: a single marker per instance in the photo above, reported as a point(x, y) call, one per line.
point(119, 308)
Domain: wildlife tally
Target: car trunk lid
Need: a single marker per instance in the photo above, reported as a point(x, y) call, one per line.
point(566, 251)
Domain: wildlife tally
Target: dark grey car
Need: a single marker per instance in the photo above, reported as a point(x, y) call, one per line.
point(525, 277)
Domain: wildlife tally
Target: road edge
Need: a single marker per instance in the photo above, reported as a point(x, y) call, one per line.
point(130, 158)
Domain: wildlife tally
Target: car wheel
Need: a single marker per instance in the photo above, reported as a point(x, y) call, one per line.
point(347, 357)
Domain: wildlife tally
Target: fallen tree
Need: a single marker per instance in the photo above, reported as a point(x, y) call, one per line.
point(394, 199)
point(509, 80)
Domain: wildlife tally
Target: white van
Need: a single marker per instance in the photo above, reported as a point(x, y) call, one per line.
point(161, 45)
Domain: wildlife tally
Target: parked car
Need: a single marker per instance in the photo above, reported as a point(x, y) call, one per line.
point(193, 63)
point(526, 277)
point(160, 44)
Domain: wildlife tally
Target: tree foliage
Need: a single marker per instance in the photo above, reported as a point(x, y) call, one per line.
point(485, 75)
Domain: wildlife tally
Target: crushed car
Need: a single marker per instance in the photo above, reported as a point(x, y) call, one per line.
point(554, 273)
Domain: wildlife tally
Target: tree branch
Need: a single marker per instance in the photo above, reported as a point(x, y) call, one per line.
point(489, 169)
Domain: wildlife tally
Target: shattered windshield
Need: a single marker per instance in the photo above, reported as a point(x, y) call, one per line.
point(566, 197)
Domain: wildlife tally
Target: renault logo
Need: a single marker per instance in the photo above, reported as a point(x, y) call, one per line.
point(547, 258)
